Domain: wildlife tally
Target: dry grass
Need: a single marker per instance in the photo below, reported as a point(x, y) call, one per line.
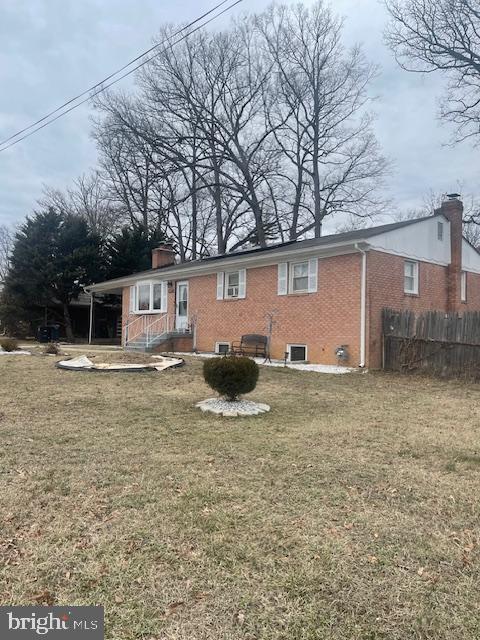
point(350, 512)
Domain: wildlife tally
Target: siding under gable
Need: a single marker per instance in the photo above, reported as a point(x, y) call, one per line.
point(470, 258)
point(417, 241)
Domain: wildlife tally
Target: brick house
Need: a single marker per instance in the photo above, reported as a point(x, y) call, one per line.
point(322, 293)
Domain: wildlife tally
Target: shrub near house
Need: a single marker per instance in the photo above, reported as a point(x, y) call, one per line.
point(232, 376)
point(9, 344)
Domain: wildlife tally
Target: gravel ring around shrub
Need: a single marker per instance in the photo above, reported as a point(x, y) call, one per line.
point(237, 408)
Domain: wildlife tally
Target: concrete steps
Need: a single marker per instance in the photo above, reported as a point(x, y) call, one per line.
point(162, 342)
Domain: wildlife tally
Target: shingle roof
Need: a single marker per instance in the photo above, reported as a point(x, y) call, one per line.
point(333, 239)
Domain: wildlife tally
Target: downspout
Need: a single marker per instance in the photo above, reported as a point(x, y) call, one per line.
point(363, 305)
point(90, 328)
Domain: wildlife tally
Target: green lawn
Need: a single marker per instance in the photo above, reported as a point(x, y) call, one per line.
point(351, 511)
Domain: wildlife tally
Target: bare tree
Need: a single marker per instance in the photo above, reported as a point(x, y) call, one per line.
point(319, 117)
point(127, 163)
point(88, 199)
point(442, 35)
point(210, 90)
point(237, 137)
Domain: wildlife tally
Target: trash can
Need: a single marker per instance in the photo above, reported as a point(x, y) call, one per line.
point(54, 332)
point(48, 333)
point(43, 333)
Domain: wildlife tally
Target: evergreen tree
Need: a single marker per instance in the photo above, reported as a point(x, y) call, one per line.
point(54, 256)
point(130, 251)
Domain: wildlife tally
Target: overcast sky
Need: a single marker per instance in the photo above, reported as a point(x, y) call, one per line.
point(51, 50)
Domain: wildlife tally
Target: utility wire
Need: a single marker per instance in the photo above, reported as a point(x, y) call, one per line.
point(102, 87)
point(112, 75)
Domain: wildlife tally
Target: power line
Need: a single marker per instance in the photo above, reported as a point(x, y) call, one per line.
point(102, 87)
point(112, 75)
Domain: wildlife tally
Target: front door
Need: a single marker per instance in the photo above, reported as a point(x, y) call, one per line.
point(181, 315)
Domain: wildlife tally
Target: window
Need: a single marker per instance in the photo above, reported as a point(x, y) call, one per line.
point(144, 297)
point(463, 286)
point(410, 277)
point(297, 277)
point(440, 230)
point(148, 297)
point(231, 284)
point(297, 352)
point(222, 348)
point(157, 295)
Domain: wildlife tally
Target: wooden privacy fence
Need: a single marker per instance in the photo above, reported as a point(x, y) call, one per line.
point(444, 344)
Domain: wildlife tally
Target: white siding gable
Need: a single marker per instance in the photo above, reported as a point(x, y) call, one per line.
point(470, 258)
point(417, 241)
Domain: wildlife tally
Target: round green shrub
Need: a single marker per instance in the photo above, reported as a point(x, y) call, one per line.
point(231, 376)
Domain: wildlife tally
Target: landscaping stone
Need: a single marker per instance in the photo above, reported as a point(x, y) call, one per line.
point(220, 406)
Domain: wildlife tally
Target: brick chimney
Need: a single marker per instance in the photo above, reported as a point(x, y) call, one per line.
point(163, 256)
point(452, 209)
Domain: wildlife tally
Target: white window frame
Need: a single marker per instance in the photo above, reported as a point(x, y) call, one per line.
point(217, 344)
point(291, 269)
point(463, 286)
point(163, 297)
point(226, 285)
point(222, 284)
point(289, 347)
point(285, 273)
point(440, 231)
point(414, 290)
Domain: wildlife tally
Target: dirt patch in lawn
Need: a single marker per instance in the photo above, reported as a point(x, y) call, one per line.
point(350, 511)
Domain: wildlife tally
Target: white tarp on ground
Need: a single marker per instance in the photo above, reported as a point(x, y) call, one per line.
point(84, 363)
point(17, 352)
point(318, 368)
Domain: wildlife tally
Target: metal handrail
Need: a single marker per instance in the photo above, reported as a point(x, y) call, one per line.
point(128, 327)
point(163, 324)
point(151, 329)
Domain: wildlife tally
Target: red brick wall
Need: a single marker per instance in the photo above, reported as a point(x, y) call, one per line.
point(321, 320)
point(473, 293)
point(385, 283)
point(163, 256)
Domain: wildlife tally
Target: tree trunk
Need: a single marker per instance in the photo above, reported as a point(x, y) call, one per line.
point(317, 219)
point(194, 197)
point(194, 215)
point(292, 234)
point(256, 209)
point(68, 323)
point(217, 199)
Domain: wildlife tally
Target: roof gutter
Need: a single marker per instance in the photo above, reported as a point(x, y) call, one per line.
point(208, 267)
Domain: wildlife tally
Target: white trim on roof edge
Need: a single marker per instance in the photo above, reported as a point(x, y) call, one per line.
point(260, 259)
